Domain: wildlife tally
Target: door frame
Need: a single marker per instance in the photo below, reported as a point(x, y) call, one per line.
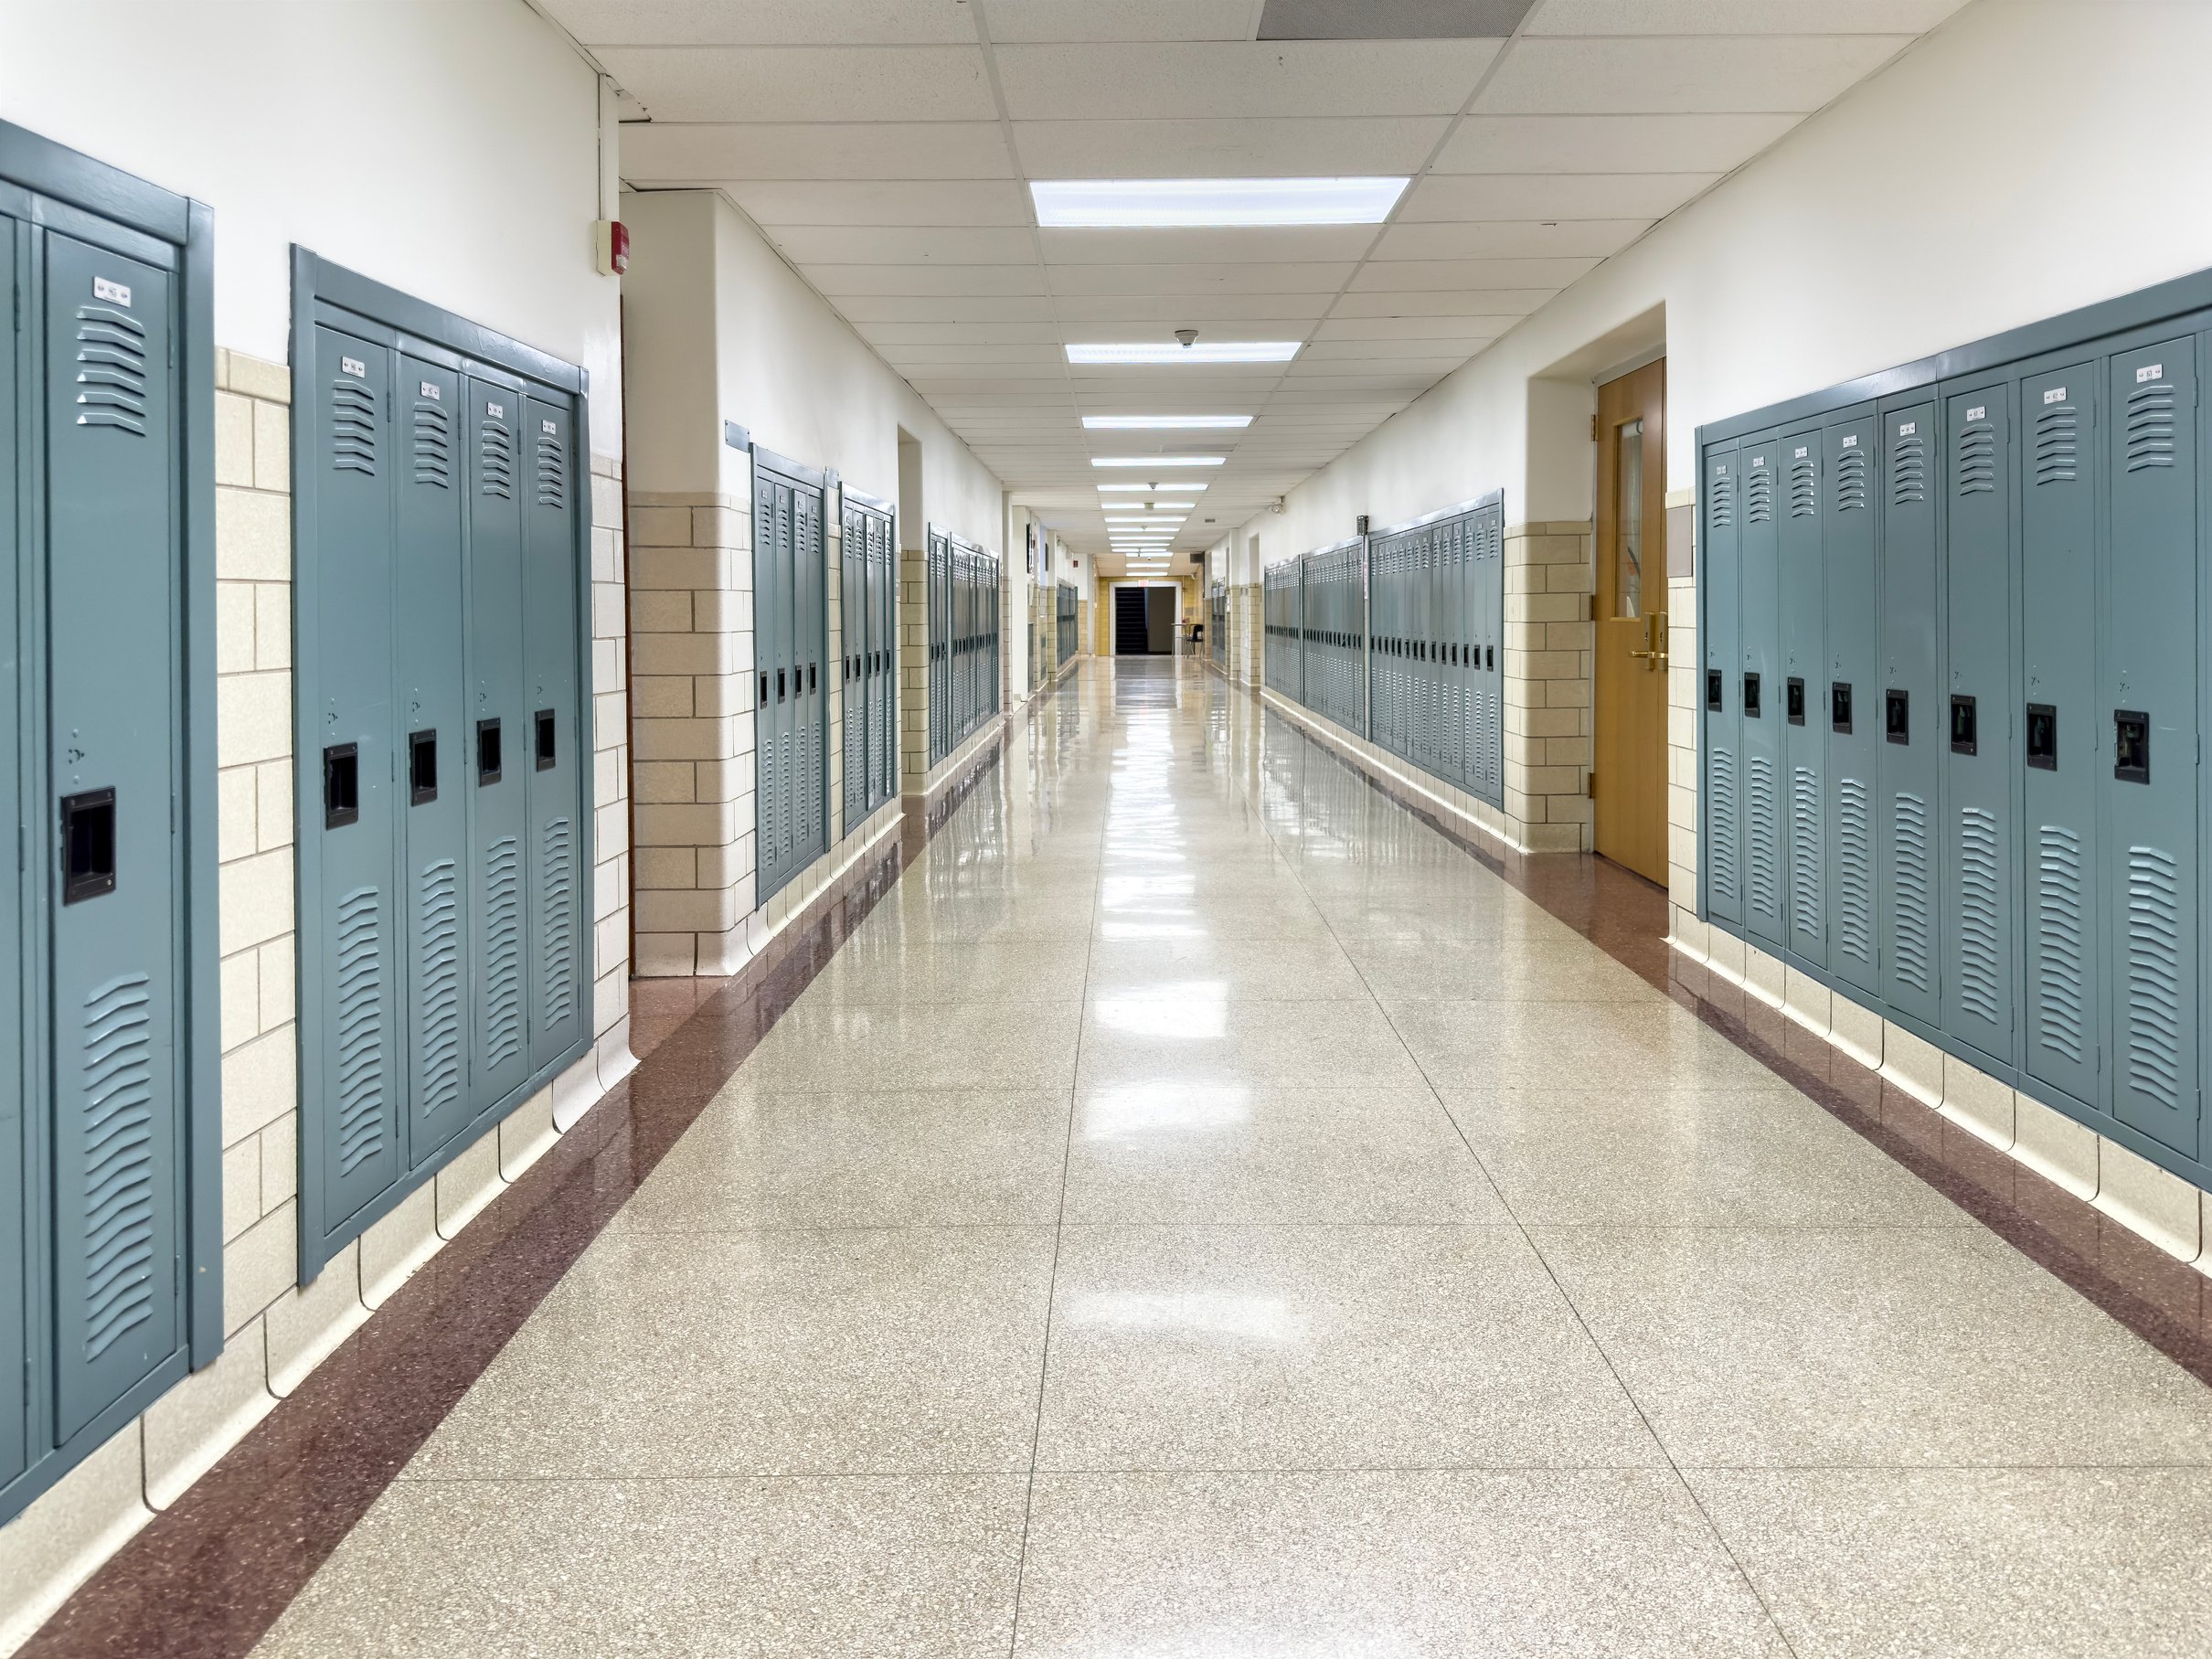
point(1644, 383)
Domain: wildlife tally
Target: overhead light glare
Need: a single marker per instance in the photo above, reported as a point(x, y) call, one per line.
point(1139, 203)
point(1158, 462)
point(1146, 423)
point(1168, 351)
point(1182, 486)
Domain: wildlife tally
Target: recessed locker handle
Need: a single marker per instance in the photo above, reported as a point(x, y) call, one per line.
point(341, 785)
point(764, 688)
point(1793, 690)
point(782, 686)
point(547, 732)
point(1896, 716)
point(490, 764)
point(1839, 705)
point(2131, 745)
point(422, 767)
point(88, 844)
point(1965, 736)
point(1750, 697)
point(2043, 736)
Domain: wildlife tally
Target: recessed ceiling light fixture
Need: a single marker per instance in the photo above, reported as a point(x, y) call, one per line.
point(1160, 463)
point(1166, 351)
point(1144, 424)
point(1142, 203)
point(1180, 486)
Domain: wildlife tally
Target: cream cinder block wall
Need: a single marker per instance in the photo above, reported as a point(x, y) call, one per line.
point(229, 102)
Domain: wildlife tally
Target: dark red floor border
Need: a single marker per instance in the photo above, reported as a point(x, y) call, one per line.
point(208, 1576)
point(2166, 1302)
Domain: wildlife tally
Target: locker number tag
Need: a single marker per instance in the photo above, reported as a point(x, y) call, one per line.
point(2055, 395)
point(499, 411)
point(547, 428)
point(1905, 429)
point(354, 366)
point(2155, 371)
point(1851, 442)
point(433, 391)
point(1801, 453)
point(1979, 412)
point(114, 293)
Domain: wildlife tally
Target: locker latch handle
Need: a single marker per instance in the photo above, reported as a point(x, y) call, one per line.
point(1714, 682)
point(2043, 736)
point(1750, 697)
point(1896, 716)
point(764, 688)
point(782, 685)
point(548, 730)
point(1793, 700)
point(2131, 745)
point(1839, 705)
point(341, 785)
point(88, 844)
point(422, 767)
point(489, 767)
point(1965, 738)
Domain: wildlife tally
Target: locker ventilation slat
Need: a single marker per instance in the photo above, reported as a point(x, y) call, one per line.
point(1722, 772)
point(1760, 806)
point(2154, 998)
point(111, 369)
point(502, 951)
point(1977, 468)
point(439, 962)
point(2061, 953)
point(1805, 488)
point(1908, 471)
point(495, 458)
point(433, 444)
point(557, 851)
point(2058, 444)
point(1850, 481)
point(118, 1173)
point(1759, 496)
point(1979, 903)
point(360, 1045)
point(353, 426)
point(1854, 871)
point(2151, 426)
point(552, 470)
point(1724, 502)
point(1804, 847)
point(1910, 891)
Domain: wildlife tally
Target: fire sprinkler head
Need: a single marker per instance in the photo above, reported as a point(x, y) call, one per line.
point(1188, 336)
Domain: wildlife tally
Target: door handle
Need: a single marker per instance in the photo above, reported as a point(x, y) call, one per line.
point(1654, 638)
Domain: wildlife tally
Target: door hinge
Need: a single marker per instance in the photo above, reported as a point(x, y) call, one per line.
point(1593, 607)
point(1593, 428)
point(1589, 784)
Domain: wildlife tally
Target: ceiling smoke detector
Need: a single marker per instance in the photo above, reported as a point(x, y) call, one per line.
point(1188, 336)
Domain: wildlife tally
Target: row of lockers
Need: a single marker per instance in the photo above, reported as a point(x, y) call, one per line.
point(1396, 635)
point(1217, 622)
point(1064, 604)
point(444, 879)
point(1953, 682)
point(791, 643)
point(964, 606)
point(869, 633)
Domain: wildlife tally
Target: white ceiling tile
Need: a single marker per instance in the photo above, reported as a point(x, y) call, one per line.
point(1018, 21)
point(796, 83)
point(1292, 78)
point(1657, 76)
point(1738, 17)
point(1034, 351)
point(1206, 148)
point(1608, 143)
point(839, 279)
point(1511, 239)
point(1318, 278)
point(1173, 311)
point(1443, 302)
point(1343, 329)
point(1471, 275)
point(858, 309)
point(759, 21)
point(657, 153)
point(1248, 245)
point(943, 372)
point(903, 244)
point(1542, 195)
point(882, 335)
point(1337, 372)
point(1372, 351)
point(903, 201)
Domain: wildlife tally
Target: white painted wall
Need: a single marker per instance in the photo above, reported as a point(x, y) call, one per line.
point(448, 147)
point(2028, 157)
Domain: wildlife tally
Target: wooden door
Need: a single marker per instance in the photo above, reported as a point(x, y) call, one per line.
point(1630, 781)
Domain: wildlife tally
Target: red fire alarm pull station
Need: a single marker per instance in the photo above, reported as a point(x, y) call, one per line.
point(613, 238)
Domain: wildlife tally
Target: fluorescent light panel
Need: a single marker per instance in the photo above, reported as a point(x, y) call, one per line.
point(1146, 423)
point(1160, 462)
point(1168, 351)
point(1180, 485)
point(1091, 203)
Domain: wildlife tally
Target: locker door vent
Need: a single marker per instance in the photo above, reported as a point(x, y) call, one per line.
point(1760, 804)
point(1908, 471)
point(552, 470)
point(1759, 496)
point(1723, 800)
point(353, 426)
point(1977, 469)
point(495, 458)
point(503, 953)
point(558, 853)
point(2061, 955)
point(111, 369)
point(1804, 846)
point(1805, 491)
point(1851, 481)
point(438, 913)
point(2151, 426)
point(360, 1030)
point(1915, 920)
point(1724, 502)
point(1978, 913)
point(432, 444)
point(119, 1174)
point(1853, 872)
point(2153, 971)
point(2058, 445)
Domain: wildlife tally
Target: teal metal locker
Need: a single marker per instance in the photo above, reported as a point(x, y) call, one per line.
point(1851, 702)
point(556, 777)
point(1802, 707)
point(1721, 848)
point(15, 1046)
point(791, 623)
point(853, 675)
point(1759, 637)
point(1980, 884)
point(1912, 725)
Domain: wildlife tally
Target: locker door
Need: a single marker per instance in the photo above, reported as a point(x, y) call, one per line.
point(852, 664)
point(554, 774)
point(1912, 726)
point(811, 548)
point(1722, 851)
point(886, 639)
point(351, 960)
point(1455, 535)
point(430, 794)
point(2149, 695)
point(112, 547)
point(1978, 883)
point(1798, 697)
point(1851, 705)
point(1759, 704)
point(15, 1197)
point(499, 749)
point(2062, 743)
point(772, 675)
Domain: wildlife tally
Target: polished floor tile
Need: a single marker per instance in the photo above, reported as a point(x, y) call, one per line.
point(924, 1046)
point(1192, 1032)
